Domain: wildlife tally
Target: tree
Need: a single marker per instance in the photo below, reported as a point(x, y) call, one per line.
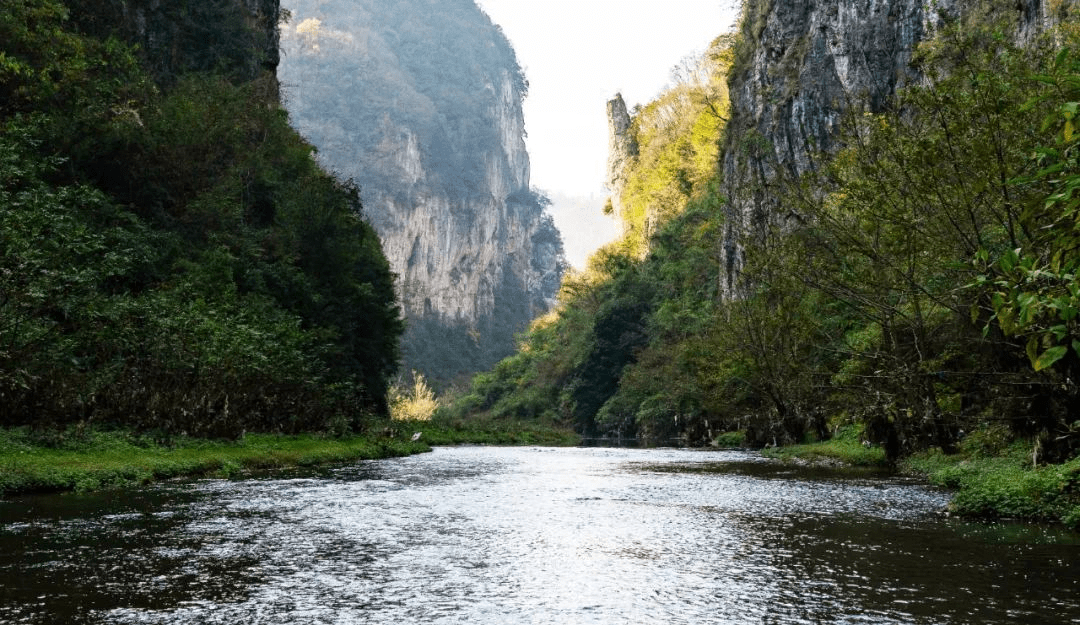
point(171, 258)
point(1032, 286)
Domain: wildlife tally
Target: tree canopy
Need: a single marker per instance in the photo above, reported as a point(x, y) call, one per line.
point(172, 258)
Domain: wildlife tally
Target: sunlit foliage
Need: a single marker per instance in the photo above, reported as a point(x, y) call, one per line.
point(412, 402)
point(678, 144)
point(922, 287)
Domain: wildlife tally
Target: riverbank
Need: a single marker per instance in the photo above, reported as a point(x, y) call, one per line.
point(1004, 486)
point(992, 476)
point(844, 448)
point(100, 459)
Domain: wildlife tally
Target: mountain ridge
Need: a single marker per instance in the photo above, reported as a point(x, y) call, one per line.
point(422, 106)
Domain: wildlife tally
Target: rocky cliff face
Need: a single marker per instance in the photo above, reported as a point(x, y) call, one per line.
point(622, 148)
point(421, 104)
point(810, 60)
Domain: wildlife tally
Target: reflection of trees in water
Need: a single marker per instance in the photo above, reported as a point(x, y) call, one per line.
point(838, 568)
point(92, 554)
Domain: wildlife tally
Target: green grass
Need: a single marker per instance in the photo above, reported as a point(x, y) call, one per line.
point(99, 459)
point(95, 459)
point(845, 447)
point(1004, 484)
point(489, 432)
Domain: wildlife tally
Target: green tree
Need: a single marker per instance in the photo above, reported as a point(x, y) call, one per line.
point(174, 259)
point(1032, 286)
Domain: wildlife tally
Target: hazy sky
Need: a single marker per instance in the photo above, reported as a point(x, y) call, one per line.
point(578, 54)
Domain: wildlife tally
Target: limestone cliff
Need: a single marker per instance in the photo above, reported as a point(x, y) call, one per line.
point(622, 148)
point(807, 61)
point(421, 104)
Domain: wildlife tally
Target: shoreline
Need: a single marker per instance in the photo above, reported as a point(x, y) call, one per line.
point(991, 478)
point(115, 459)
point(986, 484)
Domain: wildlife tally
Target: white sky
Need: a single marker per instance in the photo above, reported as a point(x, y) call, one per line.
point(577, 55)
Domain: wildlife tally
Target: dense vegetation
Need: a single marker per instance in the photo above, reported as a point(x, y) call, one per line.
point(171, 258)
point(621, 355)
point(921, 287)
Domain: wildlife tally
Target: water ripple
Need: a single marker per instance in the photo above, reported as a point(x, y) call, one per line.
point(489, 535)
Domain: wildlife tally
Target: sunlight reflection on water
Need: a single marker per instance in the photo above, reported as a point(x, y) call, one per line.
point(515, 535)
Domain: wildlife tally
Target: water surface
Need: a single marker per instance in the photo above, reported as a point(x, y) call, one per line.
point(517, 535)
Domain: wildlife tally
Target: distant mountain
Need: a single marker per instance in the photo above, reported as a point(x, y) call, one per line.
point(420, 103)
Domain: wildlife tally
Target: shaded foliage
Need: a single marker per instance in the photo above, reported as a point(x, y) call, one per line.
point(174, 259)
point(237, 40)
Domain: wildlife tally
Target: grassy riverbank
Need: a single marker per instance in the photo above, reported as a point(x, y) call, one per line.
point(845, 447)
point(1005, 484)
point(992, 476)
point(97, 459)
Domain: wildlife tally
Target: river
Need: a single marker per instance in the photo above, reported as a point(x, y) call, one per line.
point(485, 535)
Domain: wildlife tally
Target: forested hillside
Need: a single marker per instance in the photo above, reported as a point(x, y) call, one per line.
point(171, 257)
point(912, 280)
point(603, 359)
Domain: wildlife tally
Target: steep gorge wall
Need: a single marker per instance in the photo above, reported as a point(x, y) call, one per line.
point(622, 148)
point(807, 62)
point(421, 104)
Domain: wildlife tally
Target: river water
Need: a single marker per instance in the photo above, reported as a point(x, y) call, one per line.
point(485, 535)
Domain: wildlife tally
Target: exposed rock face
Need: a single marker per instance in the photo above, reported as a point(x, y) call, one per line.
point(622, 147)
point(421, 104)
point(812, 59)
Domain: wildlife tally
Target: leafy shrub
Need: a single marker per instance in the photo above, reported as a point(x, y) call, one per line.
point(730, 439)
point(415, 403)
